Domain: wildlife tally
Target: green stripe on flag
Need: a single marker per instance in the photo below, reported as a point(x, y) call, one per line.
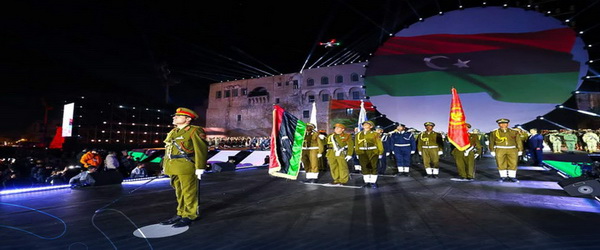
point(294, 166)
point(556, 87)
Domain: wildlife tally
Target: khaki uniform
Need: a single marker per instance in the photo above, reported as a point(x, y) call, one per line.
point(465, 160)
point(556, 142)
point(506, 144)
point(429, 146)
point(181, 170)
point(368, 148)
point(311, 147)
point(591, 140)
point(338, 147)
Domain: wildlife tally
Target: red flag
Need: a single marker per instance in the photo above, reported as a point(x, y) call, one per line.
point(457, 128)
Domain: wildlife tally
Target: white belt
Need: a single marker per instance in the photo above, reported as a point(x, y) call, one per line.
point(367, 148)
point(430, 146)
point(505, 146)
point(402, 145)
point(310, 148)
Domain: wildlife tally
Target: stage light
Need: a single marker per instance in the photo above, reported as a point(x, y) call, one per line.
point(460, 6)
point(421, 19)
point(566, 21)
point(441, 13)
point(505, 5)
point(581, 32)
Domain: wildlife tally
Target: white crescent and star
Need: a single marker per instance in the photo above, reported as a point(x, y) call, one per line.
point(429, 62)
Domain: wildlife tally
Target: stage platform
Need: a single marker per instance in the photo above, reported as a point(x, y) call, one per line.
point(249, 209)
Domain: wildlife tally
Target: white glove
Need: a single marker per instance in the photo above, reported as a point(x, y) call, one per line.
point(520, 153)
point(440, 152)
point(348, 158)
point(420, 153)
point(380, 156)
point(199, 173)
point(387, 154)
point(412, 152)
point(322, 137)
point(493, 154)
point(466, 153)
point(476, 155)
point(319, 155)
point(357, 157)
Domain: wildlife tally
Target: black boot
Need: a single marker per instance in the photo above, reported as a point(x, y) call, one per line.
point(173, 220)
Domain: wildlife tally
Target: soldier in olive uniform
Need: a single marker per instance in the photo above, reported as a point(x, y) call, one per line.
point(430, 146)
point(340, 148)
point(465, 159)
point(186, 153)
point(312, 149)
point(570, 139)
point(369, 149)
point(591, 140)
point(555, 140)
point(506, 146)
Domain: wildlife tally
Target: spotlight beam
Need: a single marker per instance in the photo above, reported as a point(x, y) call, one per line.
point(553, 123)
point(578, 111)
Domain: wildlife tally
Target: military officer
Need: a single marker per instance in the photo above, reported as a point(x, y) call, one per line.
point(570, 140)
point(369, 149)
point(186, 153)
point(591, 140)
point(465, 159)
point(506, 146)
point(555, 140)
point(312, 149)
point(340, 148)
point(385, 140)
point(430, 146)
point(403, 146)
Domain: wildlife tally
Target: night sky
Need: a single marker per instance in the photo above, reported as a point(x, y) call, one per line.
point(55, 50)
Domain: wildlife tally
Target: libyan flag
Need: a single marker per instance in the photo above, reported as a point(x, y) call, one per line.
point(457, 127)
point(507, 66)
point(287, 137)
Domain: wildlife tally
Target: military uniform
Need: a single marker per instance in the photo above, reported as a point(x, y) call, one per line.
point(186, 151)
point(312, 148)
point(556, 141)
point(385, 140)
point(591, 140)
point(465, 159)
point(570, 140)
point(340, 148)
point(403, 146)
point(430, 147)
point(368, 148)
point(506, 146)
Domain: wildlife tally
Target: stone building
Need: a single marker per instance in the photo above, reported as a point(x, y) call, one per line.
point(244, 107)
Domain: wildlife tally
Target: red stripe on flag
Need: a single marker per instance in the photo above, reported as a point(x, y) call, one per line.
point(561, 40)
point(349, 104)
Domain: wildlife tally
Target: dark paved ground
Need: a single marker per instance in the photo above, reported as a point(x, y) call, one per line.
point(251, 210)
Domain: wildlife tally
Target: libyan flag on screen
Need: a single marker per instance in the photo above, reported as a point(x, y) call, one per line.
point(287, 137)
point(510, 67)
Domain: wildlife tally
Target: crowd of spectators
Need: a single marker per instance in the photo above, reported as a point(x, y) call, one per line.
point(240, 142)
point(34, 167)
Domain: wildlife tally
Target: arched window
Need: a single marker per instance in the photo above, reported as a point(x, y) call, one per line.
point(310, 82)
point(324, 80)
point(354, 77)
point(339, 79)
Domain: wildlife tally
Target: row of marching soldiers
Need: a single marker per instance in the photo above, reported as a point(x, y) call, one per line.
point(369, 148)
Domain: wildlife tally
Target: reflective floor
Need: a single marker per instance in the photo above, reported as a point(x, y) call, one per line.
point(248, 209)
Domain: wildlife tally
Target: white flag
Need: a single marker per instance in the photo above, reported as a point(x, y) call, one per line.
point(362, 116)
point(313, 115)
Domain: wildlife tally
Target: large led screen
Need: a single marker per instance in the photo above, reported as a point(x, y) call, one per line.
point(67, 121)
point(504, 63)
